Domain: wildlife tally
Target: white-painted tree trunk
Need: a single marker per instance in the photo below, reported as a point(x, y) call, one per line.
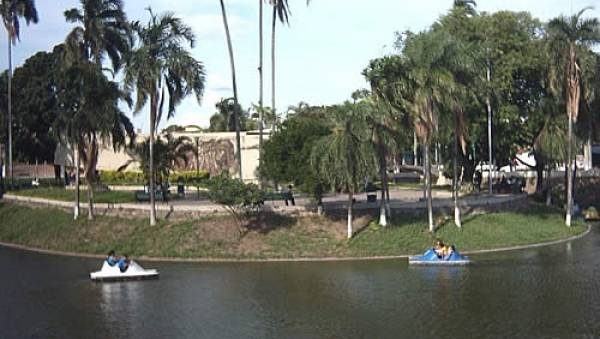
point(427, 163)
point(76, 207)
point(457, 221)
point(569, 174)
point(350, 196)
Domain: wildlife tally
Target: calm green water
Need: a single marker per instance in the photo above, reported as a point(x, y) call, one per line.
point(551, 292)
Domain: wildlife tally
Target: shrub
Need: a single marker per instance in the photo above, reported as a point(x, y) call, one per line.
point(242, 201)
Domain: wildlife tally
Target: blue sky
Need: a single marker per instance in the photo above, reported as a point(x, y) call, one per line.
point(319, 56)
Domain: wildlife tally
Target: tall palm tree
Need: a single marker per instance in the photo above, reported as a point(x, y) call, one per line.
point(102, 30)
point(281, 11)
point(162, 70)
point(235, 92)
point(344, 158)
point(261, 105)
point(389, 85)
point(12, 11)
point(569, 37)
point(90, 117)
point(428, 52)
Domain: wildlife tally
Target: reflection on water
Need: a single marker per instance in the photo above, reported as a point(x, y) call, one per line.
point(544, 292)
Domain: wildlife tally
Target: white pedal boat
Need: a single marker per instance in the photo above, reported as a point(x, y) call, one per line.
point(133, 272)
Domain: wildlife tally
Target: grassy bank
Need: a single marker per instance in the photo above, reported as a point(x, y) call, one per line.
point(273, 236)
point(59, 193)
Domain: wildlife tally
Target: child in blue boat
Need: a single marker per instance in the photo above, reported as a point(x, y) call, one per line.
point(111, 259)
point(443, 251)
point(123, 263)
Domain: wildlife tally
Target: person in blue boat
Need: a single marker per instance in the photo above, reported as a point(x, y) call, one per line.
point(111, 259)
point(442, 250)
point(123, 263)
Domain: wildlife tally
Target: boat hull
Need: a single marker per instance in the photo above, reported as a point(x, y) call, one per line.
point(431, 258)
point(133, 272)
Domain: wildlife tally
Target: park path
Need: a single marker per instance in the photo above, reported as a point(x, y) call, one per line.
point(401, 200)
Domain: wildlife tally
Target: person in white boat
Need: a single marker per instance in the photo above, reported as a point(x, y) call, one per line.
point(111, 259)
point(124, 263)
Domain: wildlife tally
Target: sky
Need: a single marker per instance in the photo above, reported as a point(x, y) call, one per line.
point(320, 55)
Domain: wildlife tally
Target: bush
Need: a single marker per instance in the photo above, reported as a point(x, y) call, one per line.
point(122, 178)
point(192, 178)
point(242, 201)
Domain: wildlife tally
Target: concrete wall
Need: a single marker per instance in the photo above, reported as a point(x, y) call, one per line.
point(216, 154)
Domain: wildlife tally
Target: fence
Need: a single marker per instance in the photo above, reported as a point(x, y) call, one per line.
point(41, 171)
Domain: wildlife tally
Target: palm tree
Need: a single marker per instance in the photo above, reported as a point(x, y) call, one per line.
point(281, 11)
point(90, 117)
point(160, 69)
point(569, 37)
point(11, 11)
point(235, 92)
point(344, 158)
point(261, 105)
point(428, 52)
point(103, 30)
point(388, 78)
point(168, 155)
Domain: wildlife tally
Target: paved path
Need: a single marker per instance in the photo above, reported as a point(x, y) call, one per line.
point(400, 199)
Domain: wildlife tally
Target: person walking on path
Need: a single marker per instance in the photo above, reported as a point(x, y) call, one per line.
point(289, 196)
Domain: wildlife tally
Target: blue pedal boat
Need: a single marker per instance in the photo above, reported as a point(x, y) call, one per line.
point(431, 258)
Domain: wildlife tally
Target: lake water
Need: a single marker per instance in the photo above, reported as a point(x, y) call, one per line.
point(549, 292)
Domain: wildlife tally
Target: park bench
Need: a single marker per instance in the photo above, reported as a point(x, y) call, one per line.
point(143, 196)
point(273, 196)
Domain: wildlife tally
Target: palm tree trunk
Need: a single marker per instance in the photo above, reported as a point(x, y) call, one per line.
point(261, 88)
point(9, 99)
point(548, 189)
point(236, 111)
point(350, 199)
point(569, 174)
point(457, 220)
point(89, 175)
point(427, 163)
point(388, 208)
point(415, 150)
point(153, 107)
point(489, 111)
point(273, 28)
point(382, 173)
point(77, 165)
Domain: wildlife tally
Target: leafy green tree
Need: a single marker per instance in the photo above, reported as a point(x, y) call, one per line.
point(12, 11)
point(101, 31)
point(345, 158)
point(33, 118)
point(162, 70)
point(287, 154)
point(242, 201)
point(568, 37)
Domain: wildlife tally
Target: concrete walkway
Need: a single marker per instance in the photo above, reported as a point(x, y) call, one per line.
point(401, 200)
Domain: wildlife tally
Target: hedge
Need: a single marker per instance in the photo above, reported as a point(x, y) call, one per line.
point(138, 178)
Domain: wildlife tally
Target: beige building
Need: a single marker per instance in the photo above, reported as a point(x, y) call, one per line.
point(216, 153)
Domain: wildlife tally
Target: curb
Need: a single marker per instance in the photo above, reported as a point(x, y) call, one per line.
point(286, 260)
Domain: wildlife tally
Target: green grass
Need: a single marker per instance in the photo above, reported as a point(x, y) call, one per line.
point(58, 193)
point(484, 231)
point(275, 236)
